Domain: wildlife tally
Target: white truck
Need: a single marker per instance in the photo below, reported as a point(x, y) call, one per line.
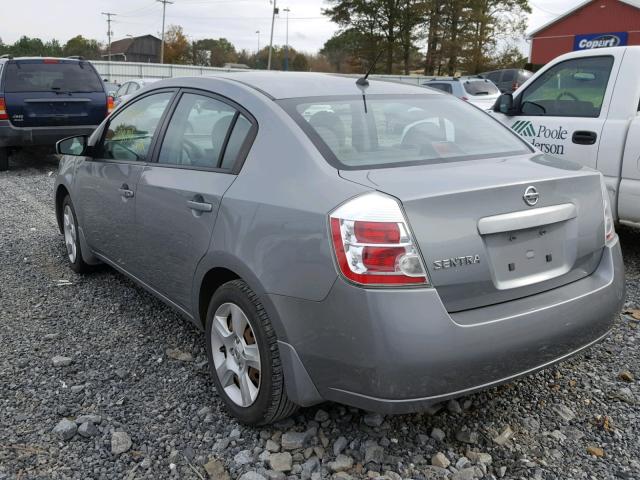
point(585, 106)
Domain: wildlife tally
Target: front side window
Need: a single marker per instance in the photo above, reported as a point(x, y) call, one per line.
point(400, 129)
point(200, 134)
point(574, 88)
point(130, 132)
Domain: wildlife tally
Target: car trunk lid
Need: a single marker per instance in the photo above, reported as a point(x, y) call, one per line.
point(482, 243)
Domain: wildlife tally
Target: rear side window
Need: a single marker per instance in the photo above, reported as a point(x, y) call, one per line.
point(574, 88)
point(52, 77)
point(480, 87)
point(445, 87)
point(400, 130)
point(205, 133)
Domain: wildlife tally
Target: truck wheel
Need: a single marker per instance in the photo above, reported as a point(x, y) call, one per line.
point(243, 355)
point(4, 159)
point(71, 238)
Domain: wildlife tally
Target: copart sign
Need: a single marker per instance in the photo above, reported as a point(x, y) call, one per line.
point(600, 40)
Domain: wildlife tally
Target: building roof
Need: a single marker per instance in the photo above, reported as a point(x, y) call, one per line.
point(281, 85)
point(633, 3)
point(123, 45)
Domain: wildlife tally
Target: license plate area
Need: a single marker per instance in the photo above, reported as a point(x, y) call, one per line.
point(524, 257)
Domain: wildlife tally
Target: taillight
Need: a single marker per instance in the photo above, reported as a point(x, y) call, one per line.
point(50, 60)
point(110, 104)
point(466, 99)
point(373, 244)
point(609, 228)
point(3, 110)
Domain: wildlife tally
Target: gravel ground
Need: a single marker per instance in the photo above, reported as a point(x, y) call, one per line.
point(100, 380)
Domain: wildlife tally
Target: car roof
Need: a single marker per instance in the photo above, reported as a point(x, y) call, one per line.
point(61, 59)
point(281, 85)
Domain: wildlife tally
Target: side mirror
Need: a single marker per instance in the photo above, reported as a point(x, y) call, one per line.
point(505, 104)
point(76, 146)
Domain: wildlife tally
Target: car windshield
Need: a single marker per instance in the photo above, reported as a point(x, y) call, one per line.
point(480, 87)
point(399, 130)
point(51, 77)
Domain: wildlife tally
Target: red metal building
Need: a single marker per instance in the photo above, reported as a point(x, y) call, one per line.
point(592, 24)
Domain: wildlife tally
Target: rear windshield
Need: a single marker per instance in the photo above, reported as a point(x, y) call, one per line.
point(51, 77)
point(400, 130)
point(480, 87)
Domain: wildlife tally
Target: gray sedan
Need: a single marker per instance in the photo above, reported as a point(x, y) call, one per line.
point(376, 244)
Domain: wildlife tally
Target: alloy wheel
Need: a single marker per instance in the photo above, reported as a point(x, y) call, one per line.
point(236, 356)
point(70, 234)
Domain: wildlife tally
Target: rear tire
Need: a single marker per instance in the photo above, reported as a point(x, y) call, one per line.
point(232, 356)
point(71, 238)
point(4, 159)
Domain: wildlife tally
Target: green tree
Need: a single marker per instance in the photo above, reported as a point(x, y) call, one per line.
point(351, 50)
point(372, 18)
point(83, 47)
point(490, 23)
point(54, 49)
point(300, 63)
point(26, 46)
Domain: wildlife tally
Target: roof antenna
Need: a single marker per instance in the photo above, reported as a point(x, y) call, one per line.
point(363, 83)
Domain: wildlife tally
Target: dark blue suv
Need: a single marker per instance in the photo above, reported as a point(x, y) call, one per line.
point(43, 100)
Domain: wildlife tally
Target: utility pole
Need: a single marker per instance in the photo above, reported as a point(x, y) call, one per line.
point(164, 13)
point(286, 43)
point(273, 19)
point(109, 31)
point(258, 51)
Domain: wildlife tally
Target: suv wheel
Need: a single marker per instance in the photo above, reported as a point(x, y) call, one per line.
point(71, 239)
point(243, 355)
point(4, 159)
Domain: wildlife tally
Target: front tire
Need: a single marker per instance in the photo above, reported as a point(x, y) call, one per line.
point(71, 237)
point(243, 355)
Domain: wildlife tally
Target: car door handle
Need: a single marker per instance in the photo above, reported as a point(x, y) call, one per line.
point(200, 206)
point(125, 192)
point(583, 137)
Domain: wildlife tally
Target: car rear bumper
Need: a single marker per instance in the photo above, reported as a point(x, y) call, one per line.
point(11, 136)
point(396, 351)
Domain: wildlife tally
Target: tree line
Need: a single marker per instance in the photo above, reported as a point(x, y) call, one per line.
point(434, 37)
point(78, 45)
point(219, 52)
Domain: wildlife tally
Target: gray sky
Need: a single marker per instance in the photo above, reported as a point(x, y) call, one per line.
point(237, 20)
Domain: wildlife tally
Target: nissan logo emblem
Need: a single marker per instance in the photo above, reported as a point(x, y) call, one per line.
point(531, 196)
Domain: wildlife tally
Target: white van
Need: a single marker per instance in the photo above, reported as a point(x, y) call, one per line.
point(584, 106)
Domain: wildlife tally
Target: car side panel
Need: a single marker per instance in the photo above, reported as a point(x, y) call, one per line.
point(272, 222)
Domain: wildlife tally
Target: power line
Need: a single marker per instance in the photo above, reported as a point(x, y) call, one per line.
point(164, 11)
point(140, 11)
